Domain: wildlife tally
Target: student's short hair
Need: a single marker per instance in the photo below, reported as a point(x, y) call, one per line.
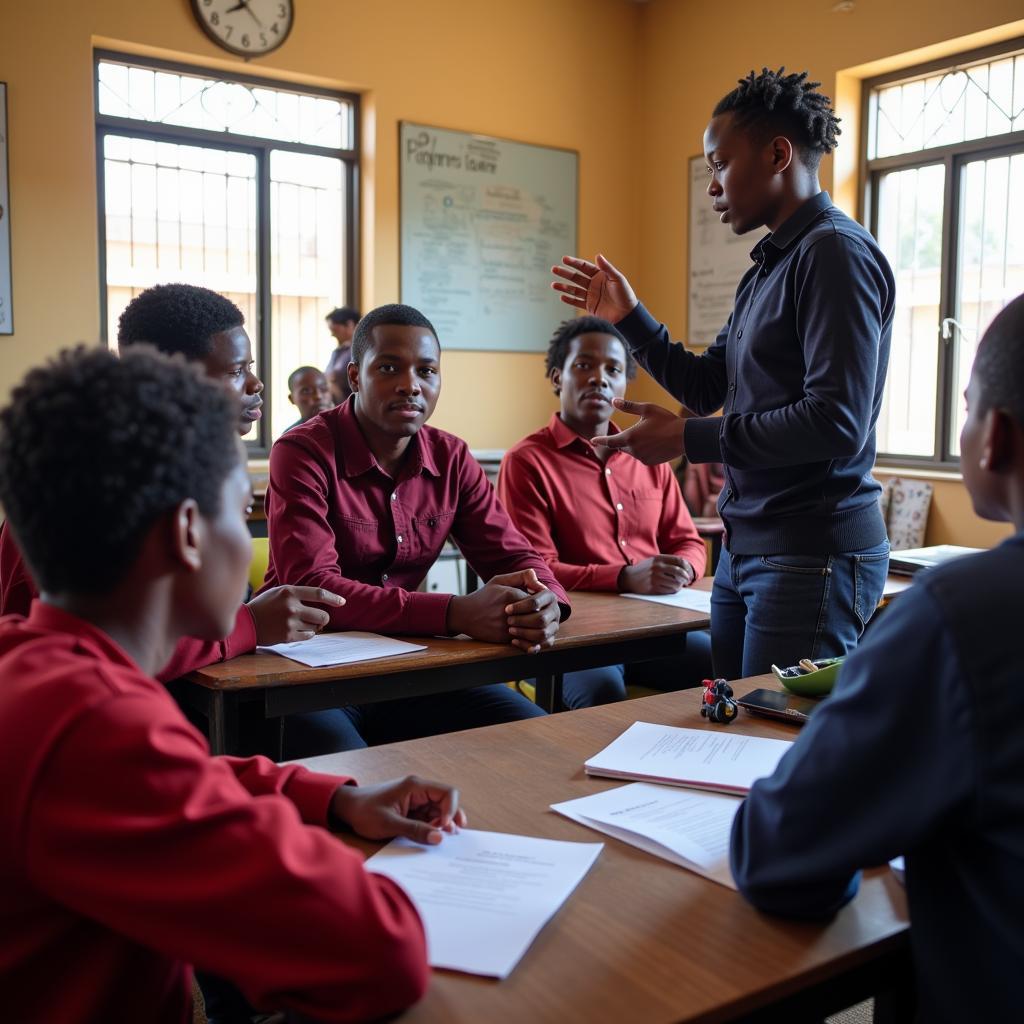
point(393, 313)
point(343, 315)
point(999, 364)
point(774, 103)
point(561, 340)
point(153, 431)
point(177, 318)
point(296, 374)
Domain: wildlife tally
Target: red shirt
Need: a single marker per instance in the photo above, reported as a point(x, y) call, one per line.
point(130, 853)
point(589, 518)
point(338, 521)
point(18, 591)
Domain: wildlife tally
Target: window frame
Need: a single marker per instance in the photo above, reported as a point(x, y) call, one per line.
point(260, 333)
point(952, 157)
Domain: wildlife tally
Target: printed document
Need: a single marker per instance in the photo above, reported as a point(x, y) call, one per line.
point(711, 758)
point(341, 648)
point(686, 828)
point(484, 896)
point(694, 600)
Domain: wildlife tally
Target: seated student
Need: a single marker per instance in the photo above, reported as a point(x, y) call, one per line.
point(602, 520)
point(208, 329)
point(919, 750)
point(308, 392)
point(360, 502)
point(341, 322)
point(131, 854)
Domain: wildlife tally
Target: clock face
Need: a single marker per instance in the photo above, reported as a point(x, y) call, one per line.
point(245, 27)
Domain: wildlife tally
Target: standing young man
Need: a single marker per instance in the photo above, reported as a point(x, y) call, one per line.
point(798, 371)
point(361, 500)
point(919, 749)
point(601, 519)
point(341, 322)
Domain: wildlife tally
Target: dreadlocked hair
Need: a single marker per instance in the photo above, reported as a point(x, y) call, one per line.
point(775, 103)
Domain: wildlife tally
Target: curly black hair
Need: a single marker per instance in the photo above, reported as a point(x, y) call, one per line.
point(343, 315)
point(558, 346)
point(393, 313)
point(999, 364)
point(177, 318)
point(774, 103)
point(121, 441)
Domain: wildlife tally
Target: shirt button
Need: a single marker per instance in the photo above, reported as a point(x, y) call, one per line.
point(607, 472)
point(384, 578)
point(732, 385)
point(622, 542)
point(739, 335)
point(618, 505)
point(399, 538)
point(394, 496)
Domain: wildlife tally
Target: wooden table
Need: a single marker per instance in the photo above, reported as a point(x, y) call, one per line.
point(640, 940)
point(604, 629)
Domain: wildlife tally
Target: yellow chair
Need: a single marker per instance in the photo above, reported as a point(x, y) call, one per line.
point(260, 560)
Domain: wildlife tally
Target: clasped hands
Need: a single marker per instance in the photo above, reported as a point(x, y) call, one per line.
point(515, 607)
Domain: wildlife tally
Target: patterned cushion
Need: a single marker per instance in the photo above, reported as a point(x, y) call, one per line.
point(905, 505)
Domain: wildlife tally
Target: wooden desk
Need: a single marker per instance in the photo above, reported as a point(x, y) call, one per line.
point(640, 940)
point(604, 629)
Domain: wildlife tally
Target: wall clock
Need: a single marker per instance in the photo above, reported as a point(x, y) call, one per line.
point(249, 28)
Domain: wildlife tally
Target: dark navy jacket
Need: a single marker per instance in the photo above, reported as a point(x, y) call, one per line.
point(798, 372)
point(919, 751)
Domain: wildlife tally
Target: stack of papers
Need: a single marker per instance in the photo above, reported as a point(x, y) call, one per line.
point(688, 829)
point(694, 600)
point(712, 759)
point(342, 648)
point(484, 896)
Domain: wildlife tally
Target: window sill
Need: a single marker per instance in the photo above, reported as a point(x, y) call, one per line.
point(918, 472)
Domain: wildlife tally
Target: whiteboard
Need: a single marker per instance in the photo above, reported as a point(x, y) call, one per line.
point(483, 220)
point(718, 259)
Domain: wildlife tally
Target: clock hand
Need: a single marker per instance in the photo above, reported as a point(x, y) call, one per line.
point(245, 4)
point(237, 7)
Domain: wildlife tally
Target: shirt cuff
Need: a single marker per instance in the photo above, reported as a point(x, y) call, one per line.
point(606, 577)
point(312, 793)
point(427, 614)
point(242, 638)
point(639, 327)
point(702, 439)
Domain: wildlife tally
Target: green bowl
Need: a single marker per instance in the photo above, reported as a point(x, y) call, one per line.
point(811, 684)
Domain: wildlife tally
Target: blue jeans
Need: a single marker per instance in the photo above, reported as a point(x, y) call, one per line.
point(606, 684)
point(781, 608)
point(390, 721)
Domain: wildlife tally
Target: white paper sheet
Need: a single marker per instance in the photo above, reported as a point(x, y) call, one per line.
point(484, 896)
point(341, 648)
point(694, 600)
point(711, 758)
point(689, 829)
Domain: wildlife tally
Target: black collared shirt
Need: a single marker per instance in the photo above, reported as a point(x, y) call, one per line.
point(798, 372)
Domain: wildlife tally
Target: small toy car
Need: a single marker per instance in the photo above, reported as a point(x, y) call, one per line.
point(717, 703)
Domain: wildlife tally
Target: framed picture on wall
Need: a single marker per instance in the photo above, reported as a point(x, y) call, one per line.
point(6, 312)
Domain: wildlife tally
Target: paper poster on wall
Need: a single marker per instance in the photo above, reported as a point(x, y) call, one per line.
point(718, 259)
point(6, 311)
point(482, 222)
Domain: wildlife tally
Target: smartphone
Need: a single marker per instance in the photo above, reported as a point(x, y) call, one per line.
point(778, 704)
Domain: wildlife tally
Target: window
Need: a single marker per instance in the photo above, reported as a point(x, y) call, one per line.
point(944, 196)
point(244, 186)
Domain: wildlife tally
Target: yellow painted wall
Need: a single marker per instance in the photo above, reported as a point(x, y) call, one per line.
point(559, 72)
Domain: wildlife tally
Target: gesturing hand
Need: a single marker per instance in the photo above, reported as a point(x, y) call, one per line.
point(661, 574)
point(411, 807)
point(658, 437)
point(599, 288)
point(285, 614)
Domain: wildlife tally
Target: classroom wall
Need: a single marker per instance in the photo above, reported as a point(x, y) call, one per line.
point(692, 55)
point(560, 73)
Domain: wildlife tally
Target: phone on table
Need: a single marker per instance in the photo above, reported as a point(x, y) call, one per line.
point(777, 704)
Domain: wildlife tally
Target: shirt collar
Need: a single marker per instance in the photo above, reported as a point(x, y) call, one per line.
point(563, 435)
point(791, 228)
point(46, 617)
point(358, 457)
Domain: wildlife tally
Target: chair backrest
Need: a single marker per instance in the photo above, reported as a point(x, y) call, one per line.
point(260, 560)
point(905, 507)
